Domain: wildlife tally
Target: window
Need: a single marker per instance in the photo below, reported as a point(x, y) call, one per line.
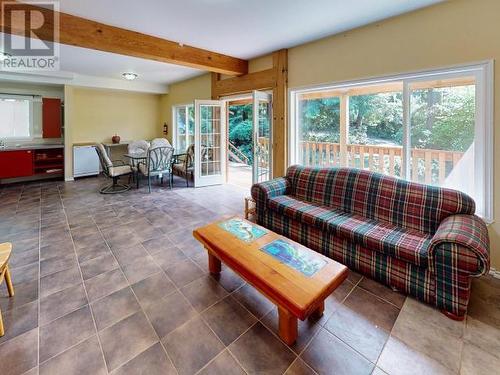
point(15, 117)
point(433, 128)
point(183, 126)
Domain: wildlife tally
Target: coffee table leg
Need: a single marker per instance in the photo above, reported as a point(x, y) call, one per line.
point(287, 326)
point(318, 313)
point(213, 264)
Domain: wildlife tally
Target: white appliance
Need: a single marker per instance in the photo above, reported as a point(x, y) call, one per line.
point(85, 161)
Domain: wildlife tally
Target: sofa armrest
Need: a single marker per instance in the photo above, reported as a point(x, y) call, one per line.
point(468, 236)
point(261, 192)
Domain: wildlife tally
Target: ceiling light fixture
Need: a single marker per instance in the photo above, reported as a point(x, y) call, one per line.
point(129, 76)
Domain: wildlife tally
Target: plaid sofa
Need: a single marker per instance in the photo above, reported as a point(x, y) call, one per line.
point(425, 241)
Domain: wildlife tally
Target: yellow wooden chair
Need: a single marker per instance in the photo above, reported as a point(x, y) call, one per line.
point(5, 251)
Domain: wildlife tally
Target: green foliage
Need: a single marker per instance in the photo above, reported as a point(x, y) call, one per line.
point(240, 128)
point(320, 120)
point(375, 116)
point(441, 119)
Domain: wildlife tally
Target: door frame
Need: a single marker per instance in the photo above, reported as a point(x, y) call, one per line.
point(257, 97)
point(199, 179)
point(248, 96)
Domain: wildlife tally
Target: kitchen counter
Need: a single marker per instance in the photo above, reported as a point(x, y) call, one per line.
point(31, 147)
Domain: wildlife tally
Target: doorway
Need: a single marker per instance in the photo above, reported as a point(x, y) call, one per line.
point(240, 142)
point(249, 139)
point(233, 140)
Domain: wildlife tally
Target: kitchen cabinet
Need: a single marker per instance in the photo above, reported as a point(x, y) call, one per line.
point(48, 162)
point(51, 118)
point(16, 163)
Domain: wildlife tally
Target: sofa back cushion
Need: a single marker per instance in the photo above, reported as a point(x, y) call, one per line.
point(378, 197)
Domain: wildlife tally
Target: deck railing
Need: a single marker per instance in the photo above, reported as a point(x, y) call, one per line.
point(430, 166)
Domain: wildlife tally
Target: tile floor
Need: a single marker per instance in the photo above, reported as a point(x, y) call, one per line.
point(116, 284)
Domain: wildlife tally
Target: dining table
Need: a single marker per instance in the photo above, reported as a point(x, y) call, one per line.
point(137, 157)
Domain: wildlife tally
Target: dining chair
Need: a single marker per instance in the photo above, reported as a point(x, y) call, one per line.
point(158, 164)
point(183, 166)
point(136, 147)
point(113, 170)
point(5, 252)
point(160, 142)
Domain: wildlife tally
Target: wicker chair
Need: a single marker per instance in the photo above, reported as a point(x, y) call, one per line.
point(113, 170)
point(158, 163)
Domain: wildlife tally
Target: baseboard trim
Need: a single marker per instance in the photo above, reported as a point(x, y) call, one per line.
point(495, 273)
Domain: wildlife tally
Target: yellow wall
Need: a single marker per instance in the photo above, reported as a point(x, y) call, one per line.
point(184, 92)
point(450, 33)
point(100, 114)
point(95, 115)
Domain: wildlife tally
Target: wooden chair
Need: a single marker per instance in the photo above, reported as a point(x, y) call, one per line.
point(5, 251)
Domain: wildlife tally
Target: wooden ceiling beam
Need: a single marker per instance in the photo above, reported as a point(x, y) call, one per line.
point(263, 80)
point(81, 32)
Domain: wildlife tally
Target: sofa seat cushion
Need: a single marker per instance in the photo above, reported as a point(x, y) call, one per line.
point(405, 244)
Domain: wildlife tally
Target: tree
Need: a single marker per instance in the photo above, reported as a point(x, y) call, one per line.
point(441, 118)
point(445, 121)
point(240, 128)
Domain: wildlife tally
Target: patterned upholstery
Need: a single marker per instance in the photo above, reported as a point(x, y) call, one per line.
point(185, 164)
point(405, 244)
point(137, 146)
point(425, 241)
point(160, 142)
point(119, 170)
point(379, 197)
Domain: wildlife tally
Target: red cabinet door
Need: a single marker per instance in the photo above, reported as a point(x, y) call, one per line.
point(16, 163)
point(51, 118)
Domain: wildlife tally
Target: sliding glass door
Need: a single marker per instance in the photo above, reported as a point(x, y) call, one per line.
point(442, 131)
point(430, 128)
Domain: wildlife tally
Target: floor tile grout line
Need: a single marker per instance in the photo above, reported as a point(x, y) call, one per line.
point(350, 346)
point(462, 343)
point(323, 327)
point(137, 300)
point(380, 297)
point(199, 265)
point(84, 286)
point(305, 363)
point(199, 314)
point(257, 321)
point(39, 282)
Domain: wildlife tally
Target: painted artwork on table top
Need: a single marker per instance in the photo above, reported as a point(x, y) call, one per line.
point(242, 229)
point(295, 257)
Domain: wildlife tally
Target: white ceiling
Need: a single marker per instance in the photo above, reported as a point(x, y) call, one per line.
point(239, 28)
point(110, 65)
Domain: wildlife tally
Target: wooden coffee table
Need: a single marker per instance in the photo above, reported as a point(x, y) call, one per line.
point(296, 279)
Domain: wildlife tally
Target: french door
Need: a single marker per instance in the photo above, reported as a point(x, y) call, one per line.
point(209, 143)
point(262, 136)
